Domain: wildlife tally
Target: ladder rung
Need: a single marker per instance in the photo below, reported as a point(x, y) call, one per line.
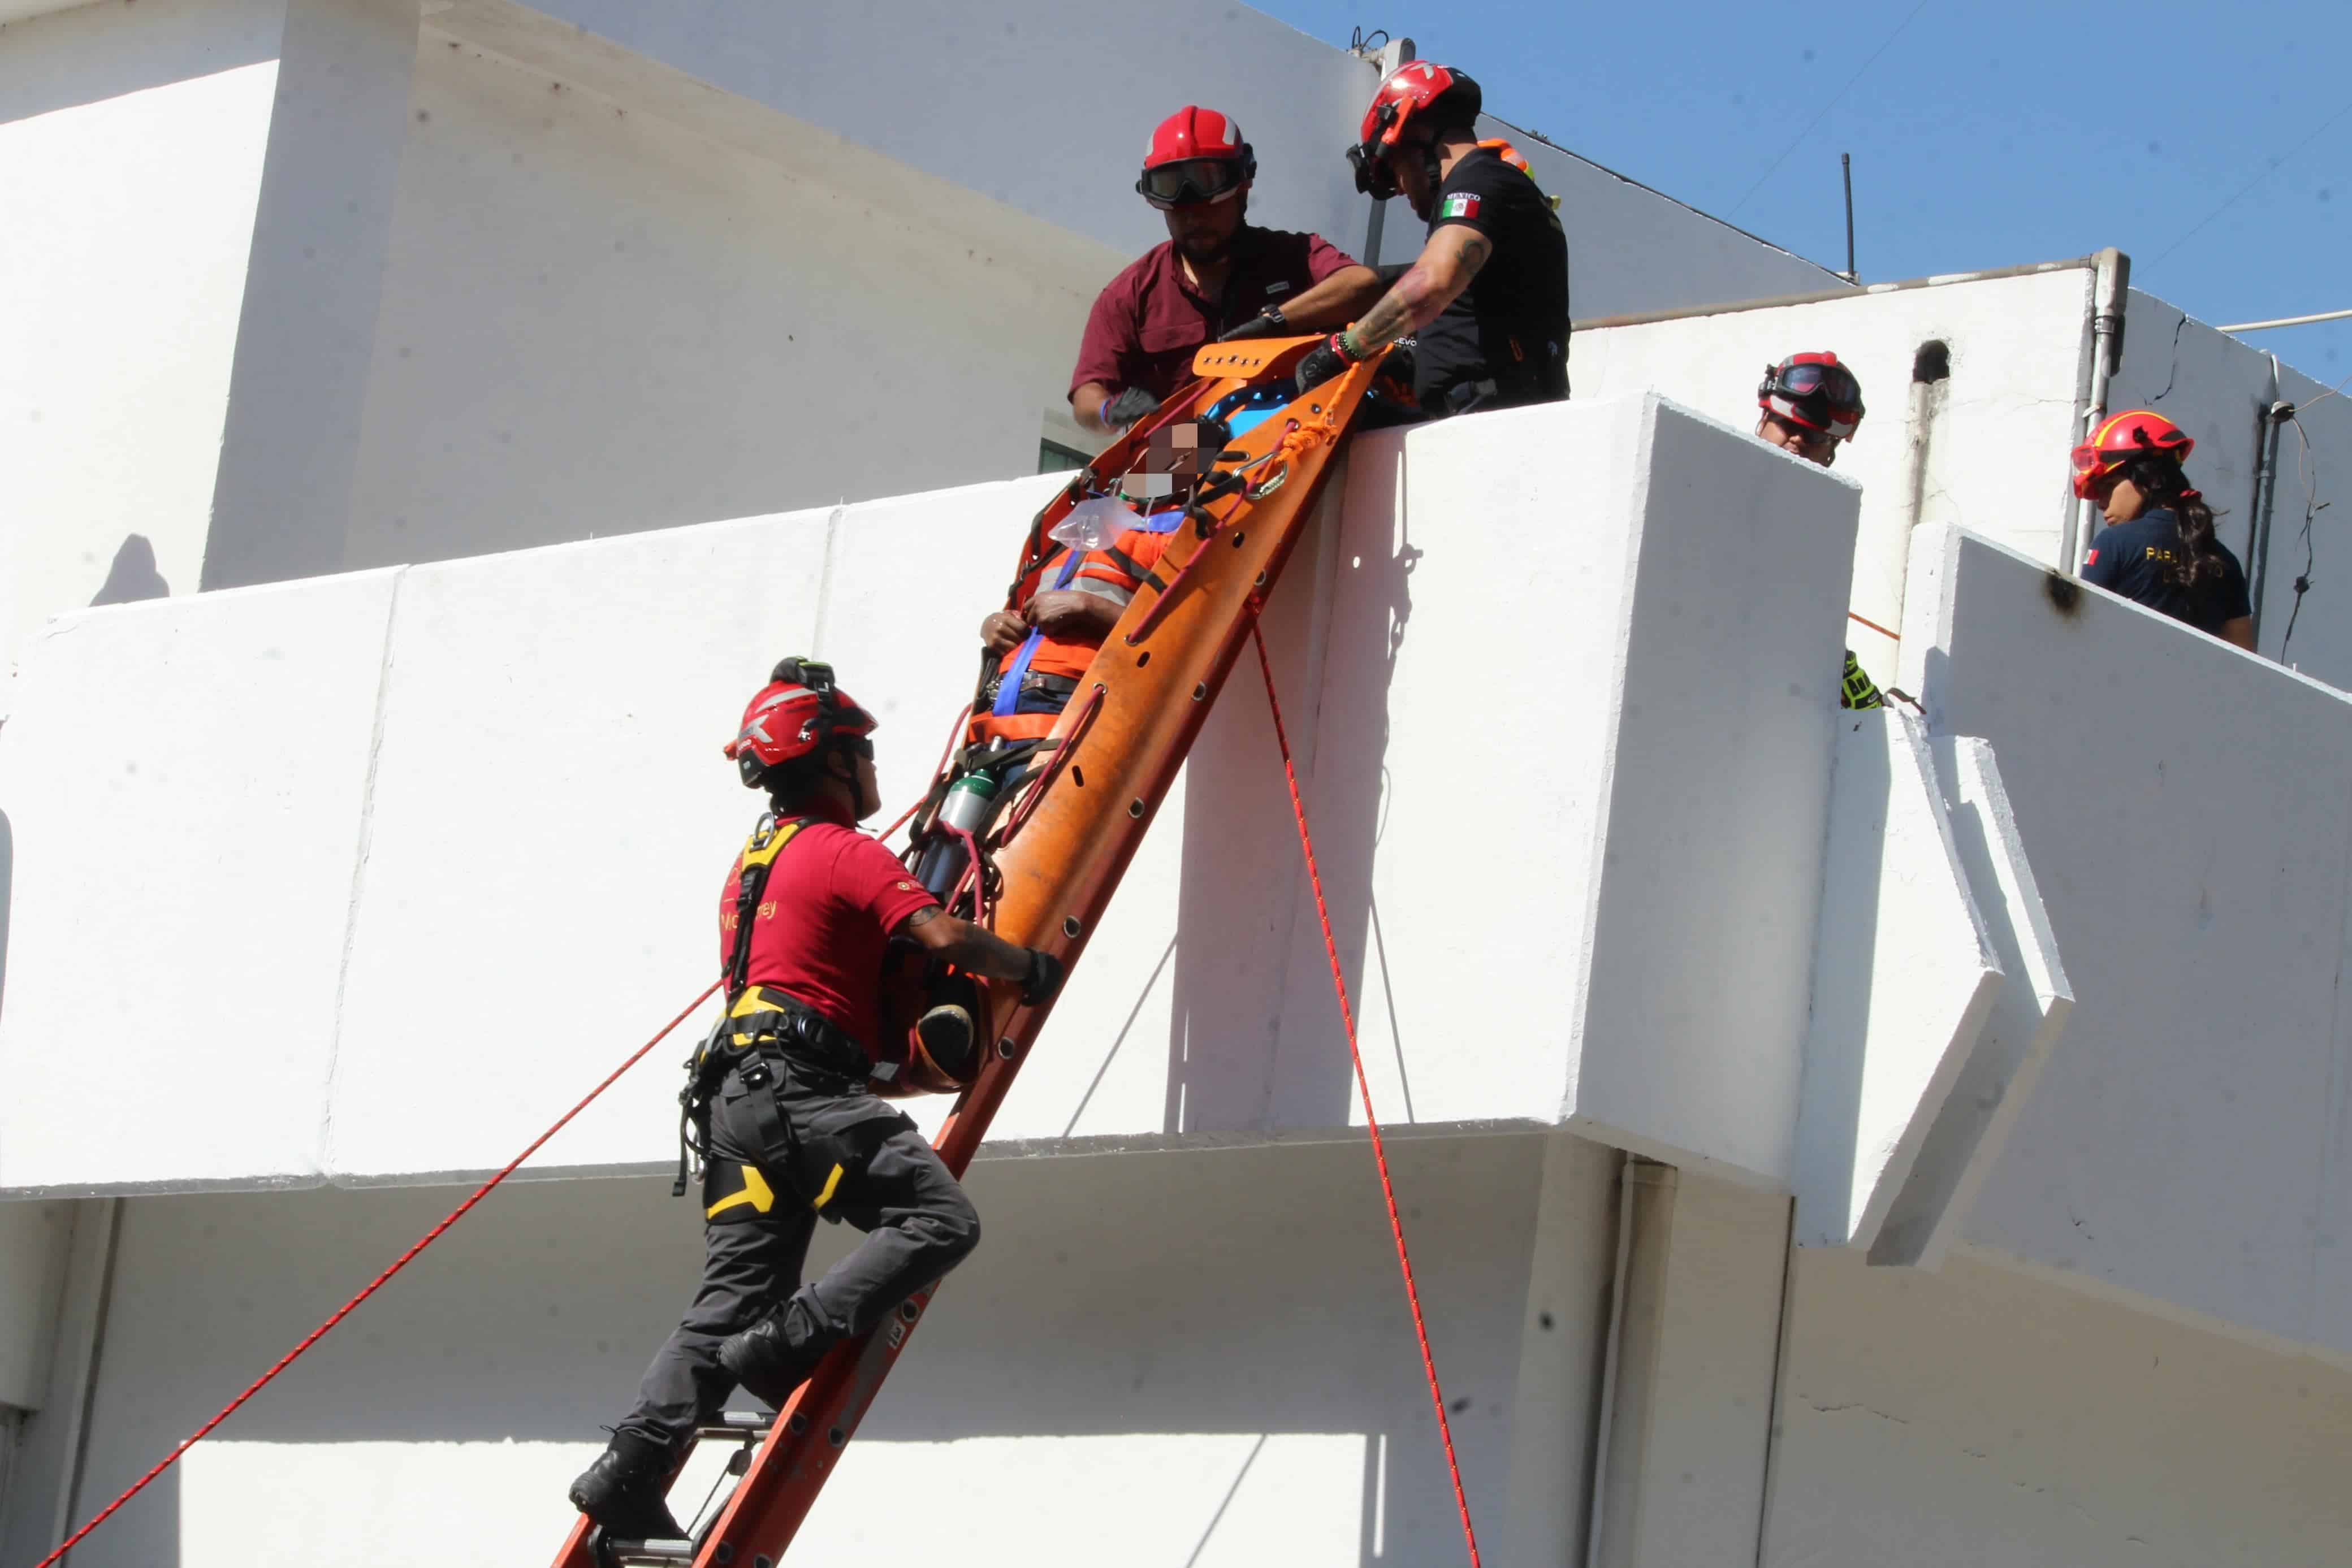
point(649, 1552)
point(744, 1425)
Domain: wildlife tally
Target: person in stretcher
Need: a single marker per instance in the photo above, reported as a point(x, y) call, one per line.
point(1073, 585)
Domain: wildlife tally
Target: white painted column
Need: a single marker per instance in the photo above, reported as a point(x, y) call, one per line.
point(281, 502)
point(32, 1268)
point(1691, 1411)
point(1560, 1336)
point(36, 1508)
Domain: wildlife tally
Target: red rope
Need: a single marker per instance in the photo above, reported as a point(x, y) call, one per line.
point(1364, 1089)
point(945, 752)
point(316, 1334)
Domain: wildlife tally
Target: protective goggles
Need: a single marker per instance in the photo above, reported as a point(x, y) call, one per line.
point(1825, 397)
point(2093, 468)
point(1374, 178)
point(1191, 181)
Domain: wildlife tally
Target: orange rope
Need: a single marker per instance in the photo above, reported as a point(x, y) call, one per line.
point(316, 1334)
point(1866, 620)
point(1363, 1088)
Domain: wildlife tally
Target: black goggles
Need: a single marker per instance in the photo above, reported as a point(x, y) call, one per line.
point(1833, 382)
point(857, 744)
point(1374, 178)
point(1191, 180)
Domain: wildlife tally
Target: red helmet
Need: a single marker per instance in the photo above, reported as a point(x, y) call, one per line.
point(1813, 391)
point(2120, 437)
point(1423, 90)
point(1196, 155)
point(798, 713)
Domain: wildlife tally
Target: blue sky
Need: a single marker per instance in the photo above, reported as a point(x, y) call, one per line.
point(1988, 132)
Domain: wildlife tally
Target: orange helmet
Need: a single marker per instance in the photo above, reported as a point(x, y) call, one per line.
point(1422, 89)
point(2120, 437)
point(798, 713)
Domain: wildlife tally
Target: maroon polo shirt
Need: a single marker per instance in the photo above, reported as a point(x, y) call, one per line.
point(833, 898)
point(1149, 321)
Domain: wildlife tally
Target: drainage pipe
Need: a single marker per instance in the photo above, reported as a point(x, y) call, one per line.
point(2110, 288)
point(2273, 427)
point(1931, 370)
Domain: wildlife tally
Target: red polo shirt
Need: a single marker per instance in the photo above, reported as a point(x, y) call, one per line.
point(1149, 321)
point(833, 898)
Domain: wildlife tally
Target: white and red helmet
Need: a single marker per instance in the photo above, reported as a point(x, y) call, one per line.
point(1421, 90)
point(1196, 155)
point(797, 714)
point(1815, 391)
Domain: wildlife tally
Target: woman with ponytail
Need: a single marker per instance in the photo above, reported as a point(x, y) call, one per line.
point(2159, 548)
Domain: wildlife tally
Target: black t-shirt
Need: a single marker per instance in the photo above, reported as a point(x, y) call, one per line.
point(2130, 559)
point(1510, 325)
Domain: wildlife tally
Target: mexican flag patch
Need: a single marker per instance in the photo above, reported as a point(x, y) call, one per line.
point(1461, 205)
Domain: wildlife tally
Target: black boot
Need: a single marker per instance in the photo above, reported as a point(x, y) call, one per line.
point(776, 1354)
point(625, 1490)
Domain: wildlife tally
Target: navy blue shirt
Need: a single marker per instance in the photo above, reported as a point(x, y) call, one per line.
point(2131, 559)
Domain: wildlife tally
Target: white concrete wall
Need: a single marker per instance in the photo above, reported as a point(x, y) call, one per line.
point(1904, 976)
point(1198, 1356)
point(1998, 431)
point(308, 335)
point(595, 320)
point(1630, 248)
point(213, 942)
point(1043, 105)
point(2216, 387)
point(1975, 1417)
point(545, 720)
point(2185, 807)
point(131, 148)
point(1969, 1135)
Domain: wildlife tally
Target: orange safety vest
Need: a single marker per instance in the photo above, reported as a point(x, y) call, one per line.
point(1114, 572)
point(1508, 154)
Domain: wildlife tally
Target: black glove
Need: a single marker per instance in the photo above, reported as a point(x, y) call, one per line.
point(1044, 977)
point(1132, 405)
point(1266, 323)
point(1323, 361)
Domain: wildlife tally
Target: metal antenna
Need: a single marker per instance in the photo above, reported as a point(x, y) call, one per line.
point(1845, 160)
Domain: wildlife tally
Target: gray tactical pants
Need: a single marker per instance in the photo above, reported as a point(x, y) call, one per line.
point(767, 1163)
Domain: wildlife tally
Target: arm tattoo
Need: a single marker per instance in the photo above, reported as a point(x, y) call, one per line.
point(1385, 321)
point(922, 917)
point(1419, 297)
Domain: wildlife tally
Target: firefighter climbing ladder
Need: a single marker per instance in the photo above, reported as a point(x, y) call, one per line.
point(1064, 842)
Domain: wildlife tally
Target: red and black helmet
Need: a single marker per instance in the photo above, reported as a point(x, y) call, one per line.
point(1422, 91)
point(797, 714)
point(1196, 155)
point(2119, 438)
point(1815, 391)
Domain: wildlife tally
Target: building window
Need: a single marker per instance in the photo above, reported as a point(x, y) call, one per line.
point(1053, 457)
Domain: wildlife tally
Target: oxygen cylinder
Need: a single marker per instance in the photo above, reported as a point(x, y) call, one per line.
point(970, 806)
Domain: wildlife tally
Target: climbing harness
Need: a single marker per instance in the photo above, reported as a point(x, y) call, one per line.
point(732, 1036)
